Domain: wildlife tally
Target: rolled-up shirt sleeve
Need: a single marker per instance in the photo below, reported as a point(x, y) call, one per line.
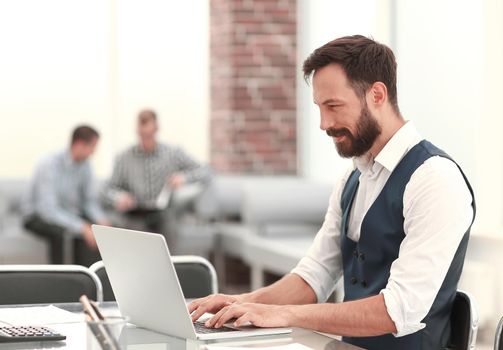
point(192, 170)
point(321, 267)
point(437, 211)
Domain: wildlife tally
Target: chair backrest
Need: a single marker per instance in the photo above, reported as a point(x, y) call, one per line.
point(498, 338)
point(99, 269)
point(464, 322)
point(36, 284)
point(197, 277)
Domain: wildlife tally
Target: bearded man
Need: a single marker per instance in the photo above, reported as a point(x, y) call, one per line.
point(396, 228)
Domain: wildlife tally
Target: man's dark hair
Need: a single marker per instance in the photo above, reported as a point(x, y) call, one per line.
point(84, 133)
point(364, 60)
point(147, 115)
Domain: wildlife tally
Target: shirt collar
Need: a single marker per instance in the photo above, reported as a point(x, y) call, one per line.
point(67, 158)
point(395, 149)
point(138, 150)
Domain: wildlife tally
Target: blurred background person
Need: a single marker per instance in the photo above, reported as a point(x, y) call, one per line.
point(61, 199)
point(142, 172)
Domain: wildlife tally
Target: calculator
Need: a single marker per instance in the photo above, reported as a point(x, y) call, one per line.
point(9, 334)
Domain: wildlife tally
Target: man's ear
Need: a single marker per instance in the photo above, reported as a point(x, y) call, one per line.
point(378, 94)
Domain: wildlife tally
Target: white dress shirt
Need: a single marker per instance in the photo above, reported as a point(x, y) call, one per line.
point(437, 210)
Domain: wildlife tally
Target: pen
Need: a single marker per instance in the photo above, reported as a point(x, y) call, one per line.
point(100, 331)
point(96, 310)
point(88, 308)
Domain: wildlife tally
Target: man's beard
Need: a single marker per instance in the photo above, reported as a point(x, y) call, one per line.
point(367, 131)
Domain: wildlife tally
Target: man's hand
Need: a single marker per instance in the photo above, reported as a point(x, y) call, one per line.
point(88, 235)
point(176, 180)
point(124, 202)
point(104, 222)
point(259, 315)
point(212, 304)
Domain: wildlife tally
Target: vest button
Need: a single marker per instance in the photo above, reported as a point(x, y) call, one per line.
point(362, 257)
point(354, 280)
point(355, 253)
point(364, 284)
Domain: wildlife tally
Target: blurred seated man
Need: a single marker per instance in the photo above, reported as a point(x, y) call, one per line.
point(142, 172)
point(61, 199)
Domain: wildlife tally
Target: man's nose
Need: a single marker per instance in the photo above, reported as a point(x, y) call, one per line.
point(325, 122)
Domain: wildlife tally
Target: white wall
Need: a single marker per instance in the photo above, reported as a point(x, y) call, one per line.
point(450, 84)
point(100, 62)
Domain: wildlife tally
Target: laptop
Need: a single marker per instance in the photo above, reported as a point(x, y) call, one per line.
point(147, 289)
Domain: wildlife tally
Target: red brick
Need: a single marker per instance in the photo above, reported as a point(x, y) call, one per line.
point(253, 76)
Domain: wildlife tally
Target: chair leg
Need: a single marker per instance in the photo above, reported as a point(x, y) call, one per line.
point(68, 248)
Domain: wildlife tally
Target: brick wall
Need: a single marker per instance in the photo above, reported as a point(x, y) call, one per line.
point(253, 75)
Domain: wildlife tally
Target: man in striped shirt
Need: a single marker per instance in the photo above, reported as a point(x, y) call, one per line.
point(141, 172)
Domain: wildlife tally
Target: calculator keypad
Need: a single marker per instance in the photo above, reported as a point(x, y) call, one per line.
point(28, 333)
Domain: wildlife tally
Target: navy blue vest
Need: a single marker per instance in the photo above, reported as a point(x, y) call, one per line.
point(367, 262)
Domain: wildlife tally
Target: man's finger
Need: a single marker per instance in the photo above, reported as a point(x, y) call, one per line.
point(244, 320)
point(213, 320)
point(232, 312)
point(194, 304)
point(201, 310)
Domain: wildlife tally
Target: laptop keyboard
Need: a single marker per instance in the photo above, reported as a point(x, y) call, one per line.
point(202, 329)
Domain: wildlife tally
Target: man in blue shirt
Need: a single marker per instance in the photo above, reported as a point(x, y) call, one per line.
point(61, 199)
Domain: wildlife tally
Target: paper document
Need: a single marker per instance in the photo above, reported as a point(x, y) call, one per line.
point(37, 315)
point(162, 200)
point(333, 336)
point(292, 346)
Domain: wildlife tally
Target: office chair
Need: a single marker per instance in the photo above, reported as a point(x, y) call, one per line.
point(45, 284)
point(464, 322)
point(99, 269)
point(498, 338)
point(197, 277)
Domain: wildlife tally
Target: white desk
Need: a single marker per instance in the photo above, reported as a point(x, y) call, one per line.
point(142, 339)
point(274, 254)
